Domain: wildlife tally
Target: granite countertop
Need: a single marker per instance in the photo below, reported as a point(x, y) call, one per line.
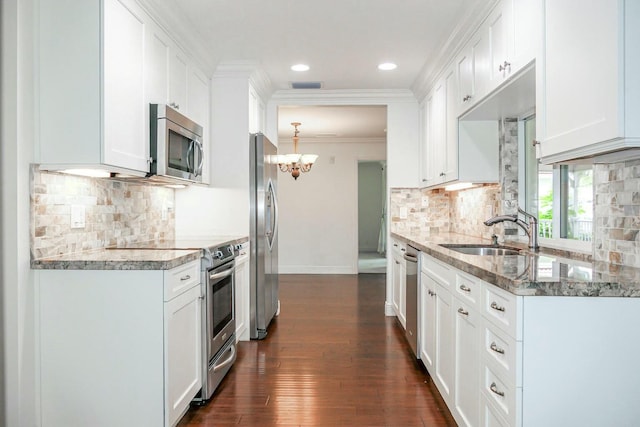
point(150, 255)
point(543, 273)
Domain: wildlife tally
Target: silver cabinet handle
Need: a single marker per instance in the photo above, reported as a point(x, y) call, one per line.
point(431, 293)
point(494, 388)
point(442, 174)
point(463, 311)
point(466, 98)
point(503, 67)
point(495, 348)
point(497, 307)
point(187, 277)
point(465, 288)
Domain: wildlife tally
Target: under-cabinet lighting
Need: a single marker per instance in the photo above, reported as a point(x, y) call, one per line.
point(92, 173)
point(176, 186)
point(459, 186)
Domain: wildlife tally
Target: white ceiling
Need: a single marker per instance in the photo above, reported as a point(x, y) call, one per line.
point(342, 41)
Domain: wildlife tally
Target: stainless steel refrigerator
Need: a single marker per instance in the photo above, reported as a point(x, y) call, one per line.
point(263, 234)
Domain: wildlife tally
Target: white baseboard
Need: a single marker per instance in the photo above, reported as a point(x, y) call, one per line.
point(388, 309)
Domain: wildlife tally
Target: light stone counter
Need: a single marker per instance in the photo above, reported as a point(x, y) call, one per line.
point(151, 255)
point(544, 273)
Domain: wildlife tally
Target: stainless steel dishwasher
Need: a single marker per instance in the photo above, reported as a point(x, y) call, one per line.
point(411, 256)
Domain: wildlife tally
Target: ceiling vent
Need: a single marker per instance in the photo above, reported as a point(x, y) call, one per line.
point(306, 85)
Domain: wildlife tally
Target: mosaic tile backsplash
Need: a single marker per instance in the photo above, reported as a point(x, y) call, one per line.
point(617, 213)
point(115, 213)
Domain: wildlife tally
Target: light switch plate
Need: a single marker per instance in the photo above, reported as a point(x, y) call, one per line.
point(78, 216)
point(403, 212)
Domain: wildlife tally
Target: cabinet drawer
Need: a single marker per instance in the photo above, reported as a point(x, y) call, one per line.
point(505, 397)
point(503, 352)
point(179, 279)
point(503, 309)
point(439, 271)
point(468, 289)
point(489, 415)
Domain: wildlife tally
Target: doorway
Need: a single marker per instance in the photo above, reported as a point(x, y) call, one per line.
point(372, 233)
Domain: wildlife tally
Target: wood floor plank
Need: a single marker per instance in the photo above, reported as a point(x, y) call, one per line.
point(331, 358)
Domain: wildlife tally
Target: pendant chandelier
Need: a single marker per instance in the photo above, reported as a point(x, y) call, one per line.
point(296, 163)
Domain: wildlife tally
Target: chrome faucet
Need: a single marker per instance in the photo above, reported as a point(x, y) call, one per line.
point(531, 228)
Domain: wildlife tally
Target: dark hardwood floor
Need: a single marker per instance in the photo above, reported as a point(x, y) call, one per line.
point(331, 358)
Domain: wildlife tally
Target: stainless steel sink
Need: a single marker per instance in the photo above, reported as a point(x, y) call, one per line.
point(485, 250)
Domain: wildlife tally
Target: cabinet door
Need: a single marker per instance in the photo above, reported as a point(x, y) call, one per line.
point(467, 364)
point(427, 321)
point(427, 167)
point(158, 49)
point(451, 126)
point(124, 140)
point(444, 354)
point(402, 274)
point(183, 343)
point(396, 285)
point(465, 80)
point(583, 74)
point(178, 80)
point(498, 34)
point(481, 54)
point(525, 26)
point(439, 140)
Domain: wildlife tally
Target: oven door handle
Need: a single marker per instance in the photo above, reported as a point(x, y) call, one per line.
point(228, 361)
point(219, 275)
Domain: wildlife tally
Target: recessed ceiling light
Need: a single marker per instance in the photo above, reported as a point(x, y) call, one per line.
point(300, 67)
point(387, 66)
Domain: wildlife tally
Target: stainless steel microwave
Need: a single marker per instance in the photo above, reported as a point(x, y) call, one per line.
point(175, 145)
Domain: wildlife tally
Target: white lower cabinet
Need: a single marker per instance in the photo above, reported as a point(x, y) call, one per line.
point(118, 347)
point(528, 361)
point(398, 278)
point(242, 282)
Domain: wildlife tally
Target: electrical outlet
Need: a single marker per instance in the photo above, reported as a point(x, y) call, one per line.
point(78, 216)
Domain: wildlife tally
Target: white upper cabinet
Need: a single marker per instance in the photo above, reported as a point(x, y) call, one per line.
point(591, 79)
point(91, 91)
point(102, 73)
point(505, 43)
point(453, 150)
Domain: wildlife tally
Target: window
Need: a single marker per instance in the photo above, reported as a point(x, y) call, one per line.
point(561, 196)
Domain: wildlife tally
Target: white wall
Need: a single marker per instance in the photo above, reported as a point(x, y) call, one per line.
point(370, 204)
point(202, 211)
point(16, 152)
point(402, 135)
point(319, 212)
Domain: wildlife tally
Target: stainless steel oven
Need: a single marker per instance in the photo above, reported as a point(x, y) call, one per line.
point(219, 322)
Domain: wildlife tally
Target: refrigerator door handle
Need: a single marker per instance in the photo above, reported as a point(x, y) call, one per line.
point(273, 232)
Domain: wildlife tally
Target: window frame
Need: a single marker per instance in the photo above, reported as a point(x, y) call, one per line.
point(554, 242)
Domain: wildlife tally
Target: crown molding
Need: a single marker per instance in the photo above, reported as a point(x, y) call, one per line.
point(169, 17)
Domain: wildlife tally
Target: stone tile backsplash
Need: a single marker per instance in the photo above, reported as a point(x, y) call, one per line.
point(617, 213)
point(115, 213)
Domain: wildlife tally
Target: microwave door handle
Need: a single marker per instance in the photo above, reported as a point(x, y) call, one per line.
point(201, 150)
point(189, 151)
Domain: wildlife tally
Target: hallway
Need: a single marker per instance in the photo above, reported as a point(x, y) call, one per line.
point(331, 358)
